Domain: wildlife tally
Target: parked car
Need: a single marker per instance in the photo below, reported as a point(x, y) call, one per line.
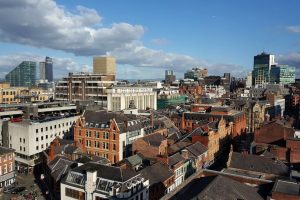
point(18, 190)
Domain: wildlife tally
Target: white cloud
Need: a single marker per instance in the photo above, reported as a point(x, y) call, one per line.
point(293, 29)
point(160, 41)
point(61, 66)
point(44, 23)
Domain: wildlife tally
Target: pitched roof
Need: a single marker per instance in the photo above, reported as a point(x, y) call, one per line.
point(217, 188)
point(258, 164)
point(134, 160)
point(59, 166)
point(157, 173)
point(174, 159)
point(286, 187)
point(4, 150)
point(154, 139)
point(197, 149)
point(107, 172)
point(174, 148)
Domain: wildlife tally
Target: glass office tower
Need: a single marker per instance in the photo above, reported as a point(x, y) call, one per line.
point(24, 75)
point(283, 74)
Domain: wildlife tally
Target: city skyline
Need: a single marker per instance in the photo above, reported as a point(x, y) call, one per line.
point(149, 37)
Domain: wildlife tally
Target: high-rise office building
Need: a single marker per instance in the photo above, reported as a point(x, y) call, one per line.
point(169, 76)
point(46, 69)
point(282, 74)
point(104, 65)
point(24, 75)
point(262, 67)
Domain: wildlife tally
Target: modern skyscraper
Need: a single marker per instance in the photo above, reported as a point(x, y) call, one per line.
point(262, 67)
point(24, 75)
point(49, 69)
point(169, 76)
point(42, 71)
point(46, 69)
point(282, 74)
point(104, 65)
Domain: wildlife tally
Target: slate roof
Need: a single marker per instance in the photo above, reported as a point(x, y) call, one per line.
point(174, 159)
point(59, 166)
point(134, 160)
point(154, 139)
point(107, 172)
point(157, 173)
point(217, 188)
point(197, 149)
point(4, 150)
point(174, 148)
point(258, 164)
point(286, 187)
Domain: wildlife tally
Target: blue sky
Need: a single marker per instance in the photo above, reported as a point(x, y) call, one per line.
point(147, 37)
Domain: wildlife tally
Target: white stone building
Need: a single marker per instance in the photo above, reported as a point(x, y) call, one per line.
point(30, 137)
point(93, 181)
point(119, 97)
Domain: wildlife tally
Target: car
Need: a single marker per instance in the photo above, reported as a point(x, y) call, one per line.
point(17, 190)
point(8, 190)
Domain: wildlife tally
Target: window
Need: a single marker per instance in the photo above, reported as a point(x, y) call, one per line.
point(88, 133)
point(42, 146)
point(20, 148)
point(23, 148)
point(106, 135)
point(58, 125)
point(37, 148)
point(36, 130)
point(55, 126)
point(75, 194)
point(5, 169)
point(88, 143)
point(46, 136)
point(42, 129)
point(114, 136)
point(50, 127)
point(46, 144)
point(79, 132)
point(114, 147)
point(96, 144)
point(10, 167)
point(23, 140)
point(42, 138)
point(37, 139)
point(47, 128)
point(9, 157)
point(20, 139)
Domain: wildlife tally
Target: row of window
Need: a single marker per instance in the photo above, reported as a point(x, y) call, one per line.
point(23, 140)
point(42, 146)
point(75, 194)
point(9, 156)
point(51, 127)
point(96, 134)
point(5, 170)
point(51, 136)
point(97, 144)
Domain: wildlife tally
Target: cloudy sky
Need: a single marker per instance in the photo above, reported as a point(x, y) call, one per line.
point(147, 37)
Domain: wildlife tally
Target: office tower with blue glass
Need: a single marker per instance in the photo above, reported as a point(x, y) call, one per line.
point(24, 75)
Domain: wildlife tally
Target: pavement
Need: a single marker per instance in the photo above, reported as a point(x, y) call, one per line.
point(32, 190)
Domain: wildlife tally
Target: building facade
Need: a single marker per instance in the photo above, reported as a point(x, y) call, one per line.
point(169, 76)
point(83, 86)
point(46, 69)
point(93, 181)
point(7, 167)
point(104, 65)
point(119, 97)
point(24, 75)
point(108, 134)
point(282, 74)
point(196, 73)
point(261, 68)
point(36, 136)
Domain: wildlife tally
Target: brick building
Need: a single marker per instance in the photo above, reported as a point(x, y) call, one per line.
point(7, 167)
point(108, 134)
